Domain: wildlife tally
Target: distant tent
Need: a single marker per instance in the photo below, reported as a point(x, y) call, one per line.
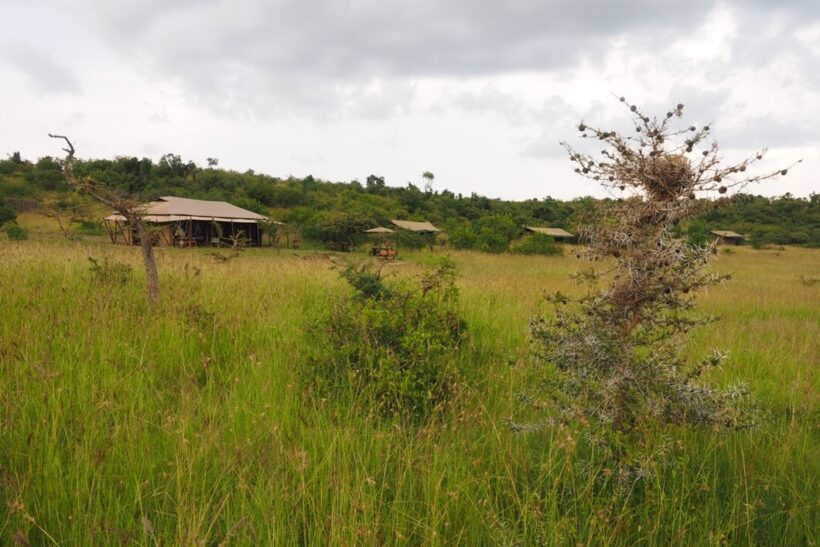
point(422, 227)
point(191, 222)
point(557, 234)
point(728, 237)
point(379, 230)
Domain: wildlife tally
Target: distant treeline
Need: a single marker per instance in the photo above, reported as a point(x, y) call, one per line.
point(326, 211)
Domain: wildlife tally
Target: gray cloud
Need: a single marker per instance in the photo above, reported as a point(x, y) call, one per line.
point(261, 55)
point(40, 67)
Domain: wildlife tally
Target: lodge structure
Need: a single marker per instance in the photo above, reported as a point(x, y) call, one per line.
point(558, 234)
point(185, 222)
point(422, 227)
point(727, 237)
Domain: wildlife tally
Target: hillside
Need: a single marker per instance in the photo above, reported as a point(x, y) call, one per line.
point(320, 209)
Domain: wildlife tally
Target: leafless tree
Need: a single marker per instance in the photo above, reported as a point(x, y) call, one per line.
point(128, 206)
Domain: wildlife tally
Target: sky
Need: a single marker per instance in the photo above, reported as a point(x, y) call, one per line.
point(479, 92)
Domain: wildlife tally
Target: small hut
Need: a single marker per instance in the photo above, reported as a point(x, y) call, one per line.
point(184, 222)
point(558, 234)
point(727, 237)
point(422, 227)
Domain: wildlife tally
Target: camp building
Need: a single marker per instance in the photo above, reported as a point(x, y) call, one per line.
point(422, 227)
point(185, 222)
point(727, 237)
point(557, 234)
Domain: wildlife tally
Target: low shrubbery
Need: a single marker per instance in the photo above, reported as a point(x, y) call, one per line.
point(16, 232)
point(7, 214)
point(109, 272)
point(537, 244)
point(391, 345)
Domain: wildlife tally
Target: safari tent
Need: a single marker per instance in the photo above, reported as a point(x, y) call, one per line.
point(727, 237)
point(422, 227)
point(184, 222)
point(558, 234)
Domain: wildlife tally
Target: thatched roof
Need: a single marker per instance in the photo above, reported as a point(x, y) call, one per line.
point(413, 226)
point(379, 230)
point(727, 234)
point(174, 209)
point(554, 232)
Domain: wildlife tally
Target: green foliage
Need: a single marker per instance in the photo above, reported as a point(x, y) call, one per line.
point(7, 214)
point(47, 175)
point(343, 229)
point(109, 272)
point(471, 222)
point(491, 233)
point(251, 205)
point(391, 346)
point(697, 233)
point(537, 244)
point(463, 237)
point(15, 232)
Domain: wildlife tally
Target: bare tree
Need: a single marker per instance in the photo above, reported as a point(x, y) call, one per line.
point(128, 206)
point(619, 349)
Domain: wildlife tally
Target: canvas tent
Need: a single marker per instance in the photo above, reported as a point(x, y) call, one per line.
point(422, 227)
point(191, 222)
point(728, 237)
point(557, 234)
point(379, 230)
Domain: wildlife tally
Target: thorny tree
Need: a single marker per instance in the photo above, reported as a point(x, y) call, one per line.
point(127, 206)
point(618, 350)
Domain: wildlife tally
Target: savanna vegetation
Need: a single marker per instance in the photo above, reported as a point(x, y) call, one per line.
point(469, 398)
point(324, 211)
point(187, 422)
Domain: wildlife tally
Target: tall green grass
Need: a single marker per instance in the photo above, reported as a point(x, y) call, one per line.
point(183, 424)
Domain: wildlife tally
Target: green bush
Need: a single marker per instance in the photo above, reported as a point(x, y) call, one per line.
point(109, 272)
point(463, 238)
point(7, 214)
point(537, 244)
point(16, 232)
point(390, 347)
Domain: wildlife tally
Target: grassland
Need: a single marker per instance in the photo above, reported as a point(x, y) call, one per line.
point(184, 424)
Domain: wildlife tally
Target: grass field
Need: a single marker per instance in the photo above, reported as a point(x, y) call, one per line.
point(184, 424)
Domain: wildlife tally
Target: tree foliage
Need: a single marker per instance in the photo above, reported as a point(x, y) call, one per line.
point(391, 345)
point(471, 222)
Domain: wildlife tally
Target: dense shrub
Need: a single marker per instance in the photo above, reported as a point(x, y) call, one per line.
point(16, 232)
point(7, 214)
point(537, 244)
point(339, 229)
point(109, 272)
point(389, 346)
point(463, 238)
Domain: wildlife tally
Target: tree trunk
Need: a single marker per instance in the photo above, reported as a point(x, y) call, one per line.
point(149, 262)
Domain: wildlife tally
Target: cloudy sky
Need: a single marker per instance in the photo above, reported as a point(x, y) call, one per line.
point(477, 91)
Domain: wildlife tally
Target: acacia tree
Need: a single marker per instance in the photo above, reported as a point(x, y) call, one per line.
point(126, 205)
point(428, 177)
point(618, 350)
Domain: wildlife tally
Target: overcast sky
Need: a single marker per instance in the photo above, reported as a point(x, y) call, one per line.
point(477, 91)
